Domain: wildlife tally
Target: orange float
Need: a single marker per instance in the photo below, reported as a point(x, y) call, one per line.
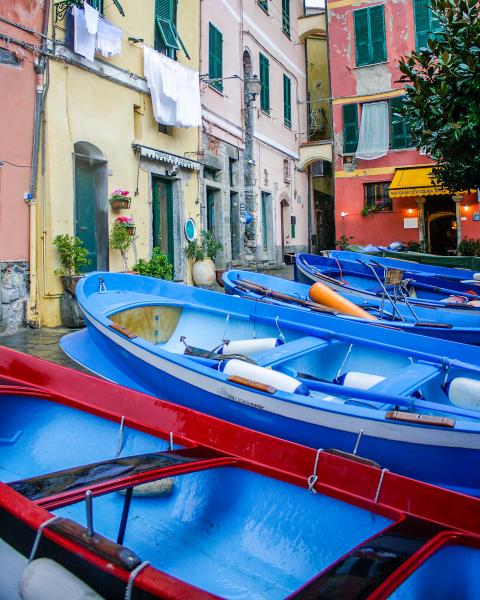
point(322, 294)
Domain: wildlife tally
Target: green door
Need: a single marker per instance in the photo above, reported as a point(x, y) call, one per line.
point(163, 217)
point(211, 210)
point(85, 211)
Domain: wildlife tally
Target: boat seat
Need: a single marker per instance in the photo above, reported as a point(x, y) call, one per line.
point(407, 380)
point(290, 350)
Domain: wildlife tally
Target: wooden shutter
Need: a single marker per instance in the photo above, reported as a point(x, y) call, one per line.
point(286, 17)
point(287, 101)
point(362, 38)
point(265, 81)
point(164, 9)
point(422, 22)
point(215, 56)
point(263, 4)
point(401, 137)
point(378, 50)
point(350, 128)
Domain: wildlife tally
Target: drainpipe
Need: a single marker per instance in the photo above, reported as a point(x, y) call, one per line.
point(32, 312)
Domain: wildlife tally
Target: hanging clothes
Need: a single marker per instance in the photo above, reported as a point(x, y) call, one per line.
point(174, 89)
point(91, 18)
point(374, 136)
point(109, 38)
point(84, 41)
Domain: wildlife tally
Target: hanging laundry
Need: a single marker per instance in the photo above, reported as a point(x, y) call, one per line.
point(84, 41)
point(174, 89)
point(109, 38)
point(91, 18)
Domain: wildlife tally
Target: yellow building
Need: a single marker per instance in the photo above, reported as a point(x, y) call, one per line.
point(100, 134)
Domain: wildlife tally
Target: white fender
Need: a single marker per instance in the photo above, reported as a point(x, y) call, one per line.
point(247, 347)
point(12, 564)
point(362, 381)
point(279, 381)
point(44, 579)
point(464, 392)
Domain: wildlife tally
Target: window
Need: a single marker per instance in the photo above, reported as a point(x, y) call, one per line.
point(167, 39)
point(350, 128)
point(287, 102)
point(215, 66)
point(400, 131)
point(263, 4)
point(426, 24)
point(264, 221)
point(209, 173)
point(370, 46)
point(98, 4)
point(265, 81)
point(287, 171)
point(376, 196)
point(232, 172)
point(286, 17)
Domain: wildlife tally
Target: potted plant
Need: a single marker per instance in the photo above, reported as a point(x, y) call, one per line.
point(158, 266)
point(73, 256)
point(120, 199)
point(203, 253)
point(127, 223)
point(121, 239)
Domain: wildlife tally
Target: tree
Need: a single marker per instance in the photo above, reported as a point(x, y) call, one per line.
point(442, 104)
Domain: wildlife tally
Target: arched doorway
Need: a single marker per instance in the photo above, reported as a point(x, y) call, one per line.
point(441, 224)
point(91, 204)
point(284, 223)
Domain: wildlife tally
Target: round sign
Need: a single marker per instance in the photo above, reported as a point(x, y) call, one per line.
point(190, 230)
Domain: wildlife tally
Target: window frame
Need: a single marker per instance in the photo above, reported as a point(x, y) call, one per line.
point(264, 70)
point(407, 138)
point(371, 59)
point(286, 17)
point(287, 101)
point(215, 60)
point(371, 202)
point(348, 146)
point(434, 27)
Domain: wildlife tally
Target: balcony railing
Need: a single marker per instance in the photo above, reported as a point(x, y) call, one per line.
point(319, 121)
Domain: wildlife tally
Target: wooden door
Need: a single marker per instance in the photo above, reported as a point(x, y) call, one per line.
point(86, 211)
point(163, 217)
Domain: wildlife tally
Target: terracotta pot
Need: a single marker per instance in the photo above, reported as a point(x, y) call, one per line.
point(131, 230)
point(70, 282)
point(203, 273)
point(120, 203)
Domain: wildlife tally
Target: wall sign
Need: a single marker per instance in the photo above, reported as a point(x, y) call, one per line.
point(410, 223)
point(476, 217)
point(190, 230)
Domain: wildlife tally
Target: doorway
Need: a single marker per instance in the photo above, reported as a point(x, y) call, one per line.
point(284, 223)
point(211, 210)
point(324, 238)
point(91, 204)
point(162, 222)
point(441, 225)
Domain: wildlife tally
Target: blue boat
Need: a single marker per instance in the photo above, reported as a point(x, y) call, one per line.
point(321, 381)
point(368, 280)
point(201, 508)
point(410, 268)
point(434, 321)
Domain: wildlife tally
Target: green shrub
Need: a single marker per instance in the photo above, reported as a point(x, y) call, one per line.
point(72, 254)
point(158, 266)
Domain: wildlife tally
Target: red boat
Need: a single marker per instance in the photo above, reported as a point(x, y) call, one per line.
point(127, 496)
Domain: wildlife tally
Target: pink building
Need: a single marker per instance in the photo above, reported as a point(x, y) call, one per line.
point(21, 23)
point(383, 191)
point(254, 114)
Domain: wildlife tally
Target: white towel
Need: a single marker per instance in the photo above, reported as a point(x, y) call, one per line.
point(109, 38)
point(164, 108)
point(84, 42)
point(91, 18)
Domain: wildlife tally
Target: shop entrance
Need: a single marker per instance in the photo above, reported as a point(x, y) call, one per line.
point(441, 230)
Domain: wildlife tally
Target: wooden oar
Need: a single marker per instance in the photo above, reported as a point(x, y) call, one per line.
point(269, 293)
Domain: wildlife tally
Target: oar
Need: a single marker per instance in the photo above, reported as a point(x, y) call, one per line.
point(269, 293)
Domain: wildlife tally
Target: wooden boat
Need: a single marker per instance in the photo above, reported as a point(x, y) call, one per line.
point(238, 514)
point(433, 321)
point(451, 262)
point(311, 378)
point(410, 268)
point(368, 280)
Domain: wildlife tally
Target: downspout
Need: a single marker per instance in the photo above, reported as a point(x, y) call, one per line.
point(32, 312)
point(307, 96)
point(332, 122)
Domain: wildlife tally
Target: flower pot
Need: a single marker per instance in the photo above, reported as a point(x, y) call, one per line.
point(70, 312)
point(131, 230)
point(70, 282)
point(121, 203)
point(203, 273)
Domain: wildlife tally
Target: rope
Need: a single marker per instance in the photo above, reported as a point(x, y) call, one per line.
point(342, 280)
point(312, 480)
point(38, 536)
point(382, 475)
point(131, 579)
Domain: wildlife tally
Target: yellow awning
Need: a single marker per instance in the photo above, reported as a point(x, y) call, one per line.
point(414, 181)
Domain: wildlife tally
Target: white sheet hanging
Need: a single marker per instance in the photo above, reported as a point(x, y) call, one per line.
point(373, 138)
point(84, 41)
point(91, 18)
point(109, 38)
point(174, 89)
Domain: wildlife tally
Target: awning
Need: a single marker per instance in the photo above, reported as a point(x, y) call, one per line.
point(414, 181)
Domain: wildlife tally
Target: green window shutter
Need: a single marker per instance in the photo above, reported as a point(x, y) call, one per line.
point(167, 39)
point(378, 50)
point(286, 17)
point(263, 4)
point(350, 128)
point(265, 81)
point(215, 57)
point(422, 22)
point(401, 137)
point(287, 101)
point(362, 37)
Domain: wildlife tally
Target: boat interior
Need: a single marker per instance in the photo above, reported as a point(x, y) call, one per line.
point(330, 366)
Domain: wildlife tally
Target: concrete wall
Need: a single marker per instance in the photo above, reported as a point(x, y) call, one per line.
point(17, 98)
point(246, 27)
point(83, 106)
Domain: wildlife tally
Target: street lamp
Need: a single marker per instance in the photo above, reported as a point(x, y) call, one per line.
point(343, 214)
point(254, 87)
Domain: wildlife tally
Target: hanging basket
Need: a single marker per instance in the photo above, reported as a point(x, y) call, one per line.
point(131, 230)
point(121, 203)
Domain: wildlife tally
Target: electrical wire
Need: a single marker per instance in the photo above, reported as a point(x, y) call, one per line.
point(7, 162)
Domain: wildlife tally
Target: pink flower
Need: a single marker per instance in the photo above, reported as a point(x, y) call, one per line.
point(124, 192)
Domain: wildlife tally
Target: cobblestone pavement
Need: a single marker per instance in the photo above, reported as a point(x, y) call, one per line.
point(45, 342)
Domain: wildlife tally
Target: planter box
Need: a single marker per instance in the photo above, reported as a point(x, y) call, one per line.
point(121, 203)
